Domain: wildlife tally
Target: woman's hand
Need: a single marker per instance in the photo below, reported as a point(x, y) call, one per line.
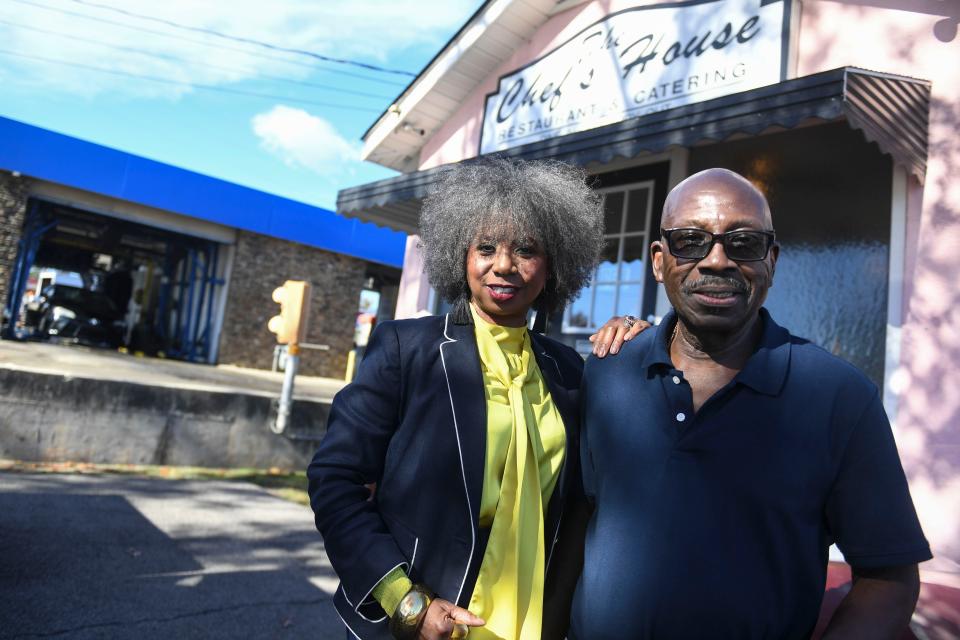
point(617, 330)
point(442, 616)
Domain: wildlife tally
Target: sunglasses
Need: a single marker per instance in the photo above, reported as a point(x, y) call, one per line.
point(740, 246)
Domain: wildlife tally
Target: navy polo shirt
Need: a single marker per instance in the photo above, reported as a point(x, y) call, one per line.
point(717, 523)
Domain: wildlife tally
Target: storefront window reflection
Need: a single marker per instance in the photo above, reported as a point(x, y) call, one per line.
point(829, 190)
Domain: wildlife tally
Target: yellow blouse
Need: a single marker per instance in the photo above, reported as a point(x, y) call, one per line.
point(525, 450)
point(549, 438)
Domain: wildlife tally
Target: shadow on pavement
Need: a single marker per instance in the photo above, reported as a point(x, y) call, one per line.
point(92, 566)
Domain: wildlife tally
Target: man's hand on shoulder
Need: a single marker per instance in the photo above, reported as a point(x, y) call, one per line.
point(619, 329)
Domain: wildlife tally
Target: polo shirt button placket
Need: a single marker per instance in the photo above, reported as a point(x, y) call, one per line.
point(679, 401)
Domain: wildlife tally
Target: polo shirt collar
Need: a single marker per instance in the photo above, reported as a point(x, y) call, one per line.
point(765, 371)
point(658, 353)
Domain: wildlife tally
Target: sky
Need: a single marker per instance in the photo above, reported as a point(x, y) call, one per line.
point(117, 73)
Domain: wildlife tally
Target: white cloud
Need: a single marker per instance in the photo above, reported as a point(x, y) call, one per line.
point(371, 30)
point(304, 140)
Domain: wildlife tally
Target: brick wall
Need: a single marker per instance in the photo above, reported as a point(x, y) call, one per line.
point(13, 207)
point(260, 265)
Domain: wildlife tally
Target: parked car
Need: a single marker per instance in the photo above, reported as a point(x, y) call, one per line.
point(82, 316)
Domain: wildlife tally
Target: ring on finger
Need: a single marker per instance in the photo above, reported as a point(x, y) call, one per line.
point(460, 630)
point(629, 321)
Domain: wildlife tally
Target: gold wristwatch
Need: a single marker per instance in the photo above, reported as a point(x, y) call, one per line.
point(408, 617)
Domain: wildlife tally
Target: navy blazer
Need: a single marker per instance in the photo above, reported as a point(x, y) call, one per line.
point(414, 422)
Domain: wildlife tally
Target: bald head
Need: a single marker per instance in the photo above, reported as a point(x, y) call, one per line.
point(712, 189)
point(712, 292)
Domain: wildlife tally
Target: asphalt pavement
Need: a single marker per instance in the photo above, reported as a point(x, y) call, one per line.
point(110, 556)
point(86, 557)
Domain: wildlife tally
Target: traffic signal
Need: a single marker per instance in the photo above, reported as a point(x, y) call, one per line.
point(294, 300)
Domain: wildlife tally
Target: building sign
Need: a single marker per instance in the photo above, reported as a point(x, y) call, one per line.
point(640, 61)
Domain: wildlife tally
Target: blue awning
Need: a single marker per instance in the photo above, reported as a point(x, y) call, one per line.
point(54, 157)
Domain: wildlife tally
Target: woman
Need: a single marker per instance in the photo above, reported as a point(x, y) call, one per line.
point(466, 423)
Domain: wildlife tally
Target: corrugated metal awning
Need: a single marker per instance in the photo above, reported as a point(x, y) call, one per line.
point(890, 110)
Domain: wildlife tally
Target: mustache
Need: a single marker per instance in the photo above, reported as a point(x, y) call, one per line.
point(715, 281)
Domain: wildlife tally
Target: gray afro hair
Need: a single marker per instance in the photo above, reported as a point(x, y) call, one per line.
point(503, 199)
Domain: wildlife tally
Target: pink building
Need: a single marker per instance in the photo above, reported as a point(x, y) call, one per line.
point(847, 114)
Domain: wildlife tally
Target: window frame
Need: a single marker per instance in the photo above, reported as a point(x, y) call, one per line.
point(621, 235)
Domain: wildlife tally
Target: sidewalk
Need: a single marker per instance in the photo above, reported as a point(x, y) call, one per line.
point(100, 364)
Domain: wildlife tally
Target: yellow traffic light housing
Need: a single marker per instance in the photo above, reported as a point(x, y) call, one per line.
point(294, 300)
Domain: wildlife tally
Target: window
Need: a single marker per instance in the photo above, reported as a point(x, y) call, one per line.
point(617, 285)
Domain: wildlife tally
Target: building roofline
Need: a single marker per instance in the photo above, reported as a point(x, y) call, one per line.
point(487, 40)
point(423, 71)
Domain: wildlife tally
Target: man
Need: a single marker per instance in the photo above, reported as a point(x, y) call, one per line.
point(724, 456)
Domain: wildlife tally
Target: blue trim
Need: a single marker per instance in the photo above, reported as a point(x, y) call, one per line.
point(58, 158)
point(188, 346)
